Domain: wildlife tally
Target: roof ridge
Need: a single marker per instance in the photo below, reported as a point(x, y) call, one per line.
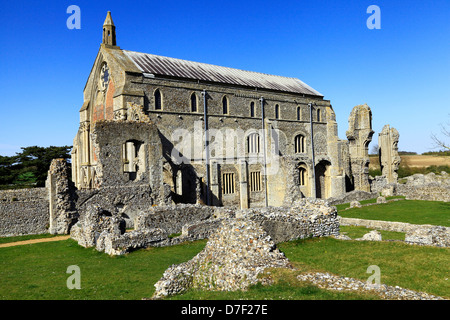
point(214, 65)
point(163, 65)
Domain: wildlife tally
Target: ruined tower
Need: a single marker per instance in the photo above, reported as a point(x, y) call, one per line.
point(359, 135)
point(388, 153)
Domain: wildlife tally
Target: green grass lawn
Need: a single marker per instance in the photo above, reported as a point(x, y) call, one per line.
point(411, 211)
point(419, 268)
point(343, 206)
point(38, 271)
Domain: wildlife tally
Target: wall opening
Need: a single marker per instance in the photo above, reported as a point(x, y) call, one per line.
point(323, 179)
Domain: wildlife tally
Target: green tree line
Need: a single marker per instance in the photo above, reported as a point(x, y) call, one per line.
point(29, 167)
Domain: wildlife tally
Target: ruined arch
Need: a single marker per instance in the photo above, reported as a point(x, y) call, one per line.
point(323, 179)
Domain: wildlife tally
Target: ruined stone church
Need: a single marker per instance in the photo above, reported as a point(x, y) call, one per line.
point(162, 129)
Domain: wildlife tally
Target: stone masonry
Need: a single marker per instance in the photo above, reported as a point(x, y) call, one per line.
point(388, 153)
point(307, 218)
point(232, 260)
point(359, 135)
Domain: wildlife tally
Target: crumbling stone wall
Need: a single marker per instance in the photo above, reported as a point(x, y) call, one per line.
point(23, 211)
point(173, 218)
point(124, 201)
point(62, 213)
point(388, 153)
point(416, 234)
point(430, 187)
point(306, 218)
point(359, 135)
point(154, 227)
point(355, 195)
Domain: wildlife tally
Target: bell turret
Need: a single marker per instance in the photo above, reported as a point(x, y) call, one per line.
point(109, 31)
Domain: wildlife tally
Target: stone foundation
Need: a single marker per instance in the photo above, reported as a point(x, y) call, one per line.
point(306, 218)
point(438, 236)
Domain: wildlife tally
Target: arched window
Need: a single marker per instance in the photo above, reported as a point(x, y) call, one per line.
point(301, 176)
point(225, 105)
point(318, 116)
point(252, 109)
point(158, 100)
point(299, 113)
point(299, 143)
point(277, 111)
point(194, 102)
point(253, 143)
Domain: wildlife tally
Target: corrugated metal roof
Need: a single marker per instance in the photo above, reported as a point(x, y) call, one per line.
point(165, 66)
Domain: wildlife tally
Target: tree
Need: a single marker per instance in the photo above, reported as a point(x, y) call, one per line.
point(37, 160)
point(30, 166)
point(7, 170)
point(440, 142)
point(374, 149)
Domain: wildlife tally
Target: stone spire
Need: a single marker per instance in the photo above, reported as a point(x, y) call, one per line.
point(109, 31)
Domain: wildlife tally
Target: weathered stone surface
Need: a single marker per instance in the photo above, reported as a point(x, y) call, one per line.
point(88, 229)
point(381, 200)
point(23, 211)
point(355, 204)
point(173, 218)
point(432, 187)
point(338, 283)
point(355, 195)
point(373, 235)
point(119, 244)
point(359, 135)
point(429, 235)
point(232, 260)
point(61, 193)
point(388, 153)
point(306, 218)
point(415, 234)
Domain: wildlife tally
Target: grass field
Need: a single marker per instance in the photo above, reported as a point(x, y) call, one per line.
point(38, 271)
point(416, 161)
point(410, 211)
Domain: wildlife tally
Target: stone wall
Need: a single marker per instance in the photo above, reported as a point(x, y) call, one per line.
point(154, 227)
point(23, 211)
point(432, 187)
point(355, 195)
point(306, 218)
point(61, 191)
point(172, 219)
point(124, 201)
point(416, 234)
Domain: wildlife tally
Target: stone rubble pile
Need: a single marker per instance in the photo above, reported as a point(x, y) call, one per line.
point(232, 260)
point(339, 283)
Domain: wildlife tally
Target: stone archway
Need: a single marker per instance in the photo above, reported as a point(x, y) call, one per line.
point(323, 179)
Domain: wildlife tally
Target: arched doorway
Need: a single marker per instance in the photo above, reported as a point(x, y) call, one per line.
point(323, 181)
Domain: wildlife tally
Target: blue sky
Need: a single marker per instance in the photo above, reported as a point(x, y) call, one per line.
point(402, 71)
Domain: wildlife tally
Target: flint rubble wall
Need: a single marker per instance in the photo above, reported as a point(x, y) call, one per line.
point(307, 218)
point(23, 211)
